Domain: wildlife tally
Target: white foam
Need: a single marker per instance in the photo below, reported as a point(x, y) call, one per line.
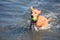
point(36, 29)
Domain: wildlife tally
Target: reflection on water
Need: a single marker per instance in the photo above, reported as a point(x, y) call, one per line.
point(15, 19)
point(35, 36)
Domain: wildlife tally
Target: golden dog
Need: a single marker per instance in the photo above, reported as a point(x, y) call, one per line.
point(41, 21)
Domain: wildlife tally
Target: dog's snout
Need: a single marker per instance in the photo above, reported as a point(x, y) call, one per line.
point(31, 16)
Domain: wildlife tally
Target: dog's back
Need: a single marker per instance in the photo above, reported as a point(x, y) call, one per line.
point(42, 21)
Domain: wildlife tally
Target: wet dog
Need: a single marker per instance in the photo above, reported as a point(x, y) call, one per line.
point(39, 22)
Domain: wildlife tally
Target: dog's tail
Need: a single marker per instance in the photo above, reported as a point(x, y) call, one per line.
point(49, 19)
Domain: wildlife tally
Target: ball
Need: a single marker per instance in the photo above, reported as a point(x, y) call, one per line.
point(34, 19)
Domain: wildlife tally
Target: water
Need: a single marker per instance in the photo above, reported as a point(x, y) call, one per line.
point(15, 19)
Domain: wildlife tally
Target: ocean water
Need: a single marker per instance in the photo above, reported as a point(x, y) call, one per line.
point(15, 19)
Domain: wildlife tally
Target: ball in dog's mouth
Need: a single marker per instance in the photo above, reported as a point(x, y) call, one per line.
point(34, 18)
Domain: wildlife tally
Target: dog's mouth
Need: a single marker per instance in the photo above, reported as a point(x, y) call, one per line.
point(33, 18)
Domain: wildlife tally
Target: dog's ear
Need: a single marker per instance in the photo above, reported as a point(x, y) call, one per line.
point(39, 12)
point(31, 8)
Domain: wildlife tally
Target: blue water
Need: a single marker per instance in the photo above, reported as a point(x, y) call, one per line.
point(15, 19)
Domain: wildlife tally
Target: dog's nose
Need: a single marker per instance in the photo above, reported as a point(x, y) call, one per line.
point(31, 16)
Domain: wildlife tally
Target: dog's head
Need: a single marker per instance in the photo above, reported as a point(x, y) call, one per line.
point(35, 12)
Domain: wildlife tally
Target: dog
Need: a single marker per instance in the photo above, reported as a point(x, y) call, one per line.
point(38, 21)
